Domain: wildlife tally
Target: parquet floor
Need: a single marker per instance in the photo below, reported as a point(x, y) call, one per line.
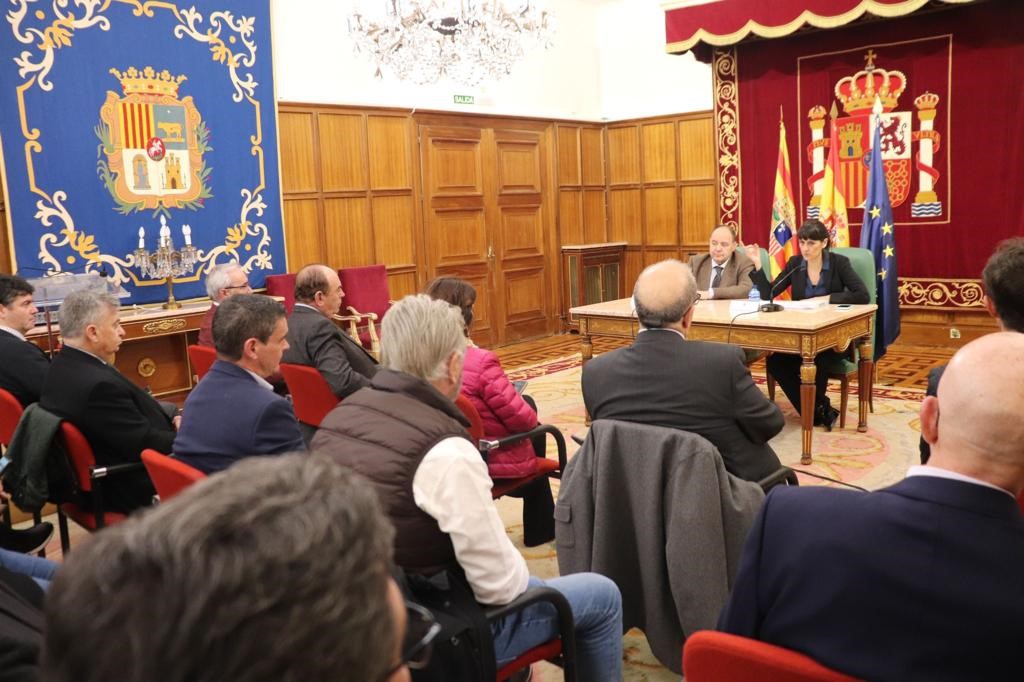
point(903, 366)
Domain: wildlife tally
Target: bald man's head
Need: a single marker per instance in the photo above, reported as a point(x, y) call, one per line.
point(663, 293)
point(975, 424)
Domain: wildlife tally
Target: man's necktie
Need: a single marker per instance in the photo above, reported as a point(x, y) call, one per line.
point(717, 279)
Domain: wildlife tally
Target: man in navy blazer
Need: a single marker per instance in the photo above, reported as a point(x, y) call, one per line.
point(234, 412)
point(920, 580)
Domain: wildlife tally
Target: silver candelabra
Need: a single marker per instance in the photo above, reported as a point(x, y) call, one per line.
point(166, 262)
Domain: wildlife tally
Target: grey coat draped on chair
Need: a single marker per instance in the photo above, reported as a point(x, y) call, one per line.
point(654, 509)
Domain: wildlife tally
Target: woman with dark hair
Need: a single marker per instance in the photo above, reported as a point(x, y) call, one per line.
point(816, 272)
point(503, 412)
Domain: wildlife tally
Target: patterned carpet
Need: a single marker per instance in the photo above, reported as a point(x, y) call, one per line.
point(873, 459)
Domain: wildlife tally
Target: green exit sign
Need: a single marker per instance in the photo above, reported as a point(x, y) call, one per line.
point(463, 99)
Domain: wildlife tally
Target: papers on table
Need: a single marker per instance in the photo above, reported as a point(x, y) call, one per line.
point(741, 306)
point(808, 304)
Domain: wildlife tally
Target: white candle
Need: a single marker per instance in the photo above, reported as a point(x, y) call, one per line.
point(142, 238)
point(187, 231)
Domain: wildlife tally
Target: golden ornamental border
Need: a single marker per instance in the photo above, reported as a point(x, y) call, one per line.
point(727, 136)
point(35, 68)
point(941, 294)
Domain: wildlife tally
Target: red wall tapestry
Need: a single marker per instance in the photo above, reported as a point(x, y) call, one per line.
point(950, 85)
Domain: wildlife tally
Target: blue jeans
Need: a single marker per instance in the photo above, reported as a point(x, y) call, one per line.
point(40, 570)
point(597, 611)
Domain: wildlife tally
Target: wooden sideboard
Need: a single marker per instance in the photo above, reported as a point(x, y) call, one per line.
point(591, 273)
point(153, 354)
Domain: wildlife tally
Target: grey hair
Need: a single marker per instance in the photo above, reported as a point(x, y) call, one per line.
point(657, 314)
point(419, 334)
point(82, 308)
point(276, 569)
point(219, 277)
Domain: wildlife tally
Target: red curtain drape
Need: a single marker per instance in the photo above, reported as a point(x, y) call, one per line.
point(969, 59)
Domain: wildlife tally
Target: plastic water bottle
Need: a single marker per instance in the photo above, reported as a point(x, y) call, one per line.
point(754, 294)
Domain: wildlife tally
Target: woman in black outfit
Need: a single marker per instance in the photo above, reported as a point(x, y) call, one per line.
point(816, 272)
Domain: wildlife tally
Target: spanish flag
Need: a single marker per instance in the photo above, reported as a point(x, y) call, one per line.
point(833, 203)
point(783, 228)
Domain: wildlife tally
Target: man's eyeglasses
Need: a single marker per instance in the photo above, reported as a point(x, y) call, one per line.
point(240, 286)
point(417, 645)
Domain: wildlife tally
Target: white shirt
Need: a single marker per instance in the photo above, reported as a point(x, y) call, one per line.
point(937, 472)
point(13, 331)
point(259, 380)
point(662, 329)
point(452, 485)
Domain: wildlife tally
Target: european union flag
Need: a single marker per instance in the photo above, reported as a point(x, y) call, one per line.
point(877, 235)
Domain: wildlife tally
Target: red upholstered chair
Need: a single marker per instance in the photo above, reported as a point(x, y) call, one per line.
point(284, 286)
point(366, 295)
point(169, 475)
point(561, 650)
point(201, 358)
point(312, 398)
point(10, 414)
point(89, 479)
point(545, 466)
point(719, 657)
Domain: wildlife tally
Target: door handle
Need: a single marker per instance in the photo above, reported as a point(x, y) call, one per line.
point(490, 252)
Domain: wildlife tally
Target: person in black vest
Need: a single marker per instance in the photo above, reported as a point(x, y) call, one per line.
point(118, 418)
point(405, 434)
point(275, 570)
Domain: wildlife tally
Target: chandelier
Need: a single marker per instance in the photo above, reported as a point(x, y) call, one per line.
point(466, 41)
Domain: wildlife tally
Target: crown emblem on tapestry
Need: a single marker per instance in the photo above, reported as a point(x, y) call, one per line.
point(857, 93)
point(148, 81)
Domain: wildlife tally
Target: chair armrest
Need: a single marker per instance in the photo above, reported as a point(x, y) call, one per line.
point(566, 624)
point(578, 439)
point(353, 325)
point(488, 444)
point(113, 469)
point(780, 475)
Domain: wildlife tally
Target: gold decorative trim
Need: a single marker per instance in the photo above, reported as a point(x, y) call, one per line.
point(163, 326)
point(146, 367)
point(941, 294)
point(885, 10)
point(727, 137)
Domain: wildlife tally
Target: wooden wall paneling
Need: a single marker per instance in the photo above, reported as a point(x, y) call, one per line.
point(348, 232)
point(303, 236)
point(522, 231)
point(394, 223)
point(456, 163)
point(568, 153)
point(594, 230)
point(634, 264)
point(624, 216)
point(570, 216)
point(659, 151)
point(592, 156)
point(297, 145)
point(390, 153)
point(343, 155)
point(518, 166)
point(697, 149)
point(623, 155)
point(661, 212)
point(525, 302)
point(700, 214)
point(402, 281)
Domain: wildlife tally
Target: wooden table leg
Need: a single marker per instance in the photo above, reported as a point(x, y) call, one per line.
point(807, 390)
point(586, 352)
point(865, 381)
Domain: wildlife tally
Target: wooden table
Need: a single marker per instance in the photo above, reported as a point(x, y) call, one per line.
point(801, 332)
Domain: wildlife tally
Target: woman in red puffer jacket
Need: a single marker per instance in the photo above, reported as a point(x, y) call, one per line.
point(503, 412)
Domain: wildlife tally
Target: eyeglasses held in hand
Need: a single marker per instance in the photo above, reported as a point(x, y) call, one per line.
point(417, 645)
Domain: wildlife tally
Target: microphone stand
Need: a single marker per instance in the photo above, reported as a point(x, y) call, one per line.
point(771, 306)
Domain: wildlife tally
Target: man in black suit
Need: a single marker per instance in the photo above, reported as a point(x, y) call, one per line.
point(315, 340)
point(24, 365)
point(920, 580)
point(721, 272)
point(1003, 279)
point(118, 418)
point(665, 380)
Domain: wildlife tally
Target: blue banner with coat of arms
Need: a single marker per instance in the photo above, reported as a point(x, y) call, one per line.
point(127, 125)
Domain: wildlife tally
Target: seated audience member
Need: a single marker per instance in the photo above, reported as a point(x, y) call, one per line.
point(21, 626)
point(663, 379)
point(24, 365)
point(118, 418)
point(404, 433)
point(920, 580)
point(223, 280)
point(815, 272)
point(233, 412)
point(275, 570)
point(22, 541)
point(314, 340)
point(1003, 279)
point(503, 412)
point(722, 273)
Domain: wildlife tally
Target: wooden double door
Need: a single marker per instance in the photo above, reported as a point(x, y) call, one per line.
point(487, 221)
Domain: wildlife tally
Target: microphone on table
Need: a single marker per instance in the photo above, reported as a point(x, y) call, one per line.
point(771, 306)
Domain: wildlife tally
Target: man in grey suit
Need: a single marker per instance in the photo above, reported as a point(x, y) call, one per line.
point(666, 380)
point(720, 273)
point(315, 340)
